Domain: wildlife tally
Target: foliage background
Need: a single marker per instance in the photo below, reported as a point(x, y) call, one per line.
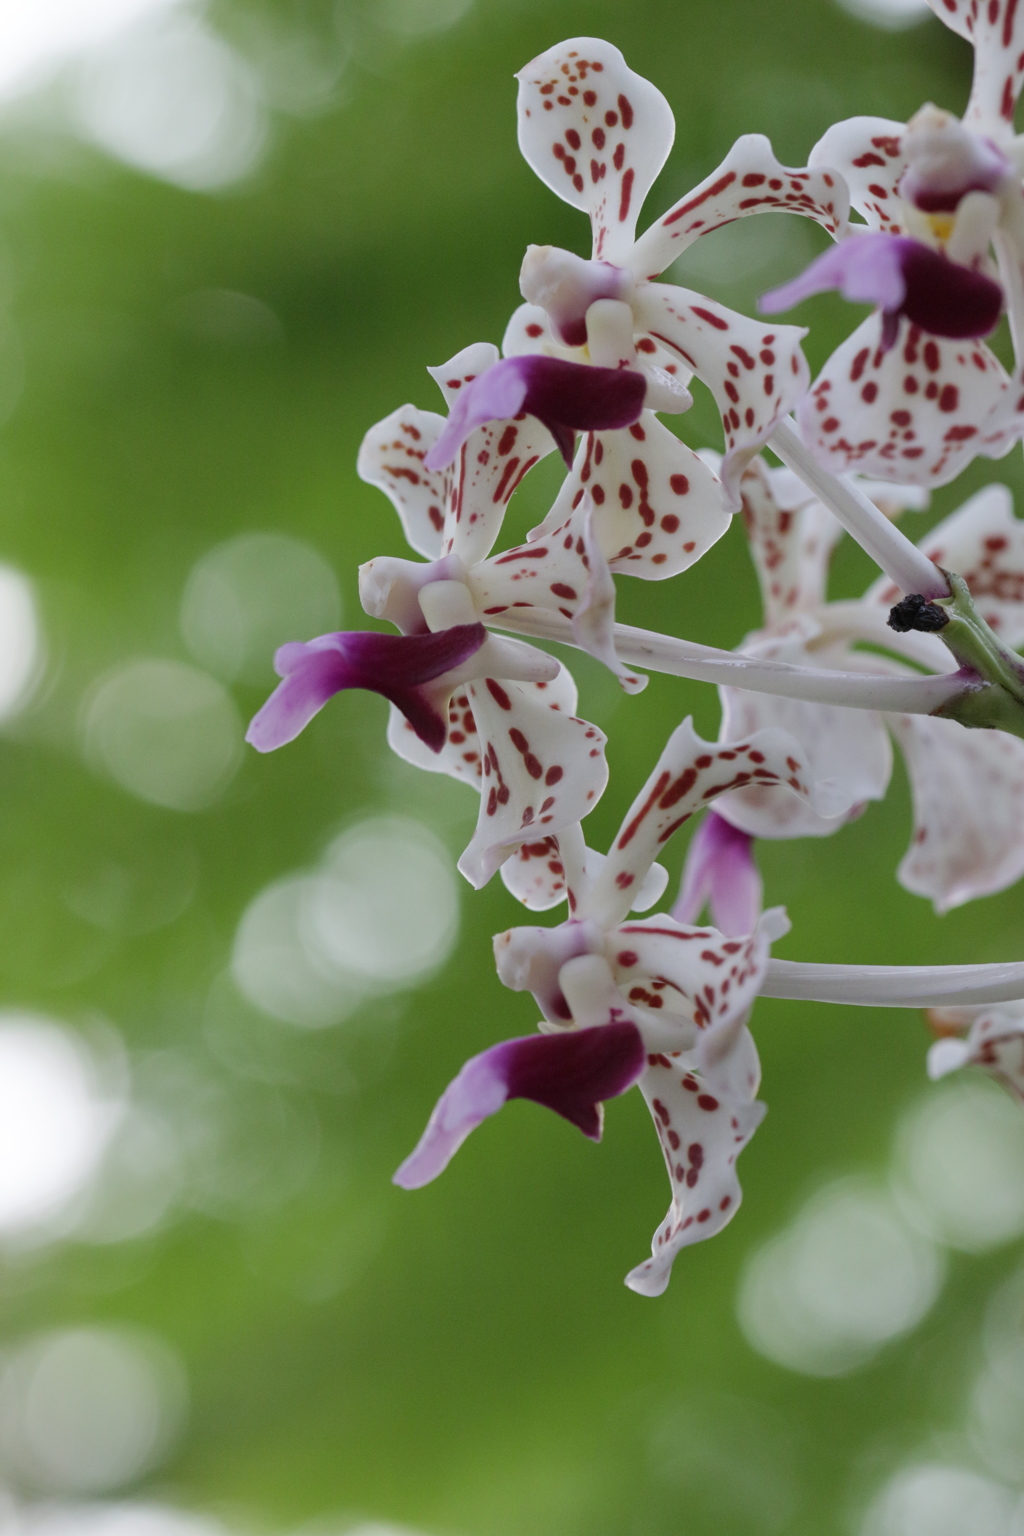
point(463, 1360)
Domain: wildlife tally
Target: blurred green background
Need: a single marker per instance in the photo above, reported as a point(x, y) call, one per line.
point(192, 348)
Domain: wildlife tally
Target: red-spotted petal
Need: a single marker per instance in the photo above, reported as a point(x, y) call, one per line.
point(790, 546)
point(710, 979)
point(391, 458)
point(756, 372)
point(868, 152)
point(542, 771)
point(657, 506)
point(995, 1042)
point(539, 768)
point(968, 790)
point(918, 412)
point(689, 774)
point(846, 752)
point(461, 756)
point(595, 133)
point(701, 1137)
point(984, 543)
point(749, 180)
point(535, 874)
point(996, 28)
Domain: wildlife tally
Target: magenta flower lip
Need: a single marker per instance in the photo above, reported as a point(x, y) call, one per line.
point(903, 277)
point(572, 1072)
point(399, 667)
point(566, 397)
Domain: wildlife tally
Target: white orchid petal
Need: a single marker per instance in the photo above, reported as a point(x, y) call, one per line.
point(846, 752)
point(713, 980)
point(791, 546)
point(919, 412)
point(946, 1056)
point(996, 29)
point(535, 874)
point(756, 372)
point(689, 774)
point(529, 331)
point(596, 133)
point(542, 770)
point(995, 1043)
point(391, 457)
point(452, 377)
point(749, 180)
point(984, 543)
point(701, 1137)
point(968, 789)
point(657, 507)
point(868, 152)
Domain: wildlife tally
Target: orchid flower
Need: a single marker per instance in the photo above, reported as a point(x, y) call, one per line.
point(988, 1037)
point(648, 1001)
point(967, 786)
point(538, 767)
point(913, 394)
point(597, 134)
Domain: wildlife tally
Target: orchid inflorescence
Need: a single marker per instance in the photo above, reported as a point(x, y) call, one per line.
point(599, 350)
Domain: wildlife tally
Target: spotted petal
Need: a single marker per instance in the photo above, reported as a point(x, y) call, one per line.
point(535, 874)
point(918, 412)
point(968, 789)
point(461, 757)
point(995, 1042)
point(756, 372)
point(689, 774)
point(789, 574)
point(391, 457)
point(701, 1137)
point(657, 506)
point(868, 152)
point(596, 133)
point(984, 543)
point(749, 180)
point(542, 771)
point(708, 978)
point(996, 29)
point(846, 752)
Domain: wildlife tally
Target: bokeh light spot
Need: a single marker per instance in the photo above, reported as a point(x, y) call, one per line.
point(249, 595)
point(380, 914)
point(55, 1119)
point(83, 1410)
point(165, 732)
point(890, 15)
point(846, 1276)
point(20, 640)
point(937, 1500)
point(960, 1165)
point(170, 97)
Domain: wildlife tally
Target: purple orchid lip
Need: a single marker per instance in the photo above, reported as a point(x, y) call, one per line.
point(721, 871)
point(571, 1072)
point(566, 397)
point(396, 666)
point(904, 277)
